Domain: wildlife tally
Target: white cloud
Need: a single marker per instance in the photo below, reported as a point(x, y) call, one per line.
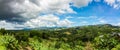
point(114, 3)
point(65, 23)
point(56, 6)
point(10, 26)
point(90, 17)
point(110, 2)
point(118, 24)
point(41, 21)
point(47, 21)
point(32, 8)
point(102, 20)
point(29, 11)
point(81, 3)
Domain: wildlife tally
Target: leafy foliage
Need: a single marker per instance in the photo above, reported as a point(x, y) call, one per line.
point(105, 41)
point(8, 41)
point(93, 37)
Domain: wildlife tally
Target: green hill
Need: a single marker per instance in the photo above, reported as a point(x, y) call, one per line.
point(91, 37)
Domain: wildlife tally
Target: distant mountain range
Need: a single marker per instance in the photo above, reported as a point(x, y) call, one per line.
point(59, 28)
point(45, 28)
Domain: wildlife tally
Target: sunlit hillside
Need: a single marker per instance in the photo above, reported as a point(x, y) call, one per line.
point(92, 37)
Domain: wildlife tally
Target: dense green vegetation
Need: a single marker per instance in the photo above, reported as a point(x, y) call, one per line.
point(94, 37)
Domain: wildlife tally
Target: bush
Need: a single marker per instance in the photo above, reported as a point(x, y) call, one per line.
point(117, 47)
point(9, 42)
point(3, 48)
point(105, 41)
point(35, 44)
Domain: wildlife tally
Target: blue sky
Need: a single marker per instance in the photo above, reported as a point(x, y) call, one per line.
point(95, 13)
point(22, 14)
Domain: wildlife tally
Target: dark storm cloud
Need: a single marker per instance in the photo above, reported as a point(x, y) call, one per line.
point(26, 13)
point(6, 12)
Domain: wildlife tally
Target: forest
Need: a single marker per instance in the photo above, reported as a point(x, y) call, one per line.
point(90, 37)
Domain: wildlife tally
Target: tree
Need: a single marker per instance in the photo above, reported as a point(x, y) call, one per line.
point(2, 31)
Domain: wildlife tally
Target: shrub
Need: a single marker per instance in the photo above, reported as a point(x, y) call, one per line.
point(105, 41)
point(9, 42)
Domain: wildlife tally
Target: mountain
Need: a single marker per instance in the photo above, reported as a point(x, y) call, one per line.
point(45, 28)
point(76, 27)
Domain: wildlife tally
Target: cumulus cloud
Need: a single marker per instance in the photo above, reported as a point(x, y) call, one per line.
point(9, 26)
point(21, 10)
point(28, 11)
point(81, 3)
point(47, 21)
point(41, 21)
